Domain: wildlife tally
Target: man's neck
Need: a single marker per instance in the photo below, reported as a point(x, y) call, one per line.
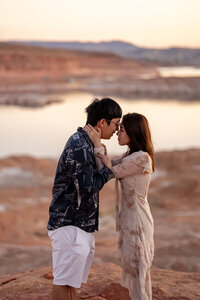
point(98, 144)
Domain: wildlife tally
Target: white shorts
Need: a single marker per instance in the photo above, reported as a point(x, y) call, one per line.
point(72, 253)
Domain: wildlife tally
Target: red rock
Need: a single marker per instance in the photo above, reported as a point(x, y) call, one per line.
point(48, 275)
point(174, 199)
point(103, 283)
point(59, 71)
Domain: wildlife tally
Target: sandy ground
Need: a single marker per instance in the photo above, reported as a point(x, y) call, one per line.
point(174, 197)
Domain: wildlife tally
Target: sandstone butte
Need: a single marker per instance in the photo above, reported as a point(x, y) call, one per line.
point(27, 73)
point(103, 283)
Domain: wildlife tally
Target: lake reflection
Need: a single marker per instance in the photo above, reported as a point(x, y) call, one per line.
point(179, 71)
point(43, 132)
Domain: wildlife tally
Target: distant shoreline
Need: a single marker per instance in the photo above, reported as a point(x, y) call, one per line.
point(41, 95)
point(54, 159)
point(31, 76)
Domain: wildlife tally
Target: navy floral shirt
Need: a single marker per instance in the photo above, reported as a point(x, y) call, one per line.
point(76, 186)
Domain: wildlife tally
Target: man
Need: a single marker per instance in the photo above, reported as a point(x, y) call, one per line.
point(74, 209)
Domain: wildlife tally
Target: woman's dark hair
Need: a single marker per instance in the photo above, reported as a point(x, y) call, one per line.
point(137, 128)
point(105, 108)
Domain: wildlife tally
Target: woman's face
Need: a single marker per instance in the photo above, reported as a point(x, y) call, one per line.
point(123, 137)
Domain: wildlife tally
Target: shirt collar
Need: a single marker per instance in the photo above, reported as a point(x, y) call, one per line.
point(86, 136)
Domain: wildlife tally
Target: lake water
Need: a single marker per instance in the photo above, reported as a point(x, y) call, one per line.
point(42, 132)
point(179, 71)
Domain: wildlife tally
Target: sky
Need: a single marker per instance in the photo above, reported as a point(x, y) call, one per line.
point(151, 23)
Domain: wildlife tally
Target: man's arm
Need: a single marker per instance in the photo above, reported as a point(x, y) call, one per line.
point(86, 180)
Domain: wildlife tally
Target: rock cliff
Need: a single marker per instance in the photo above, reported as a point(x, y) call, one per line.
point(103, 283)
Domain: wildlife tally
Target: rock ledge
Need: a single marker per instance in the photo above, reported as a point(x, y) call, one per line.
point(103, 283)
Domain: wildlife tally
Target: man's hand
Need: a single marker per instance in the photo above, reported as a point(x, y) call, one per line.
point(94, 134)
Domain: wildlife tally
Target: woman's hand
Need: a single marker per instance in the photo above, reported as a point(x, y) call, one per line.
point(94, 134)
point(105, 160)
point(105, 149)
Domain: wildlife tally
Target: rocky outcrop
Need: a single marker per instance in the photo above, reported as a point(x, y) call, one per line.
point(25, 195)
point(28, 99)
point(103, 283)
point(34, 76)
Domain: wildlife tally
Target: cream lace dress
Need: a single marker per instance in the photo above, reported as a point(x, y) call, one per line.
point(135, 223)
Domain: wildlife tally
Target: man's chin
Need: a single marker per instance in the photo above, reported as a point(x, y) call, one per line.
point(106, 137)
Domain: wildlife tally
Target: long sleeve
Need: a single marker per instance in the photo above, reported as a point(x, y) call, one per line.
point(117, 160)
point(98, 160)
point(136, 163)
point(87, 181)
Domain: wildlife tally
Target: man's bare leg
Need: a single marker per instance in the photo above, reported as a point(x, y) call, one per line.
point(64, 292)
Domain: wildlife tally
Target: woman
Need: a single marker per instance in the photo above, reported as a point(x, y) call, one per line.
point(134, 222)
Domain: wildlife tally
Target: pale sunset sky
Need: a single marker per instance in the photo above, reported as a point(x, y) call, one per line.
point(150, 23)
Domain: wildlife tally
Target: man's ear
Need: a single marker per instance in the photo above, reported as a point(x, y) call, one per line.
point(101, 123)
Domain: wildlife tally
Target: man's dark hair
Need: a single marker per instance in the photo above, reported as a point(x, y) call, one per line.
point(105, 108)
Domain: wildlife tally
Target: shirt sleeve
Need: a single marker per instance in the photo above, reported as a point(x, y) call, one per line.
point(117, 160)
point(86, 178)
point(99, 150)
point(136, 163)
point(99, 163)
point(126, 168)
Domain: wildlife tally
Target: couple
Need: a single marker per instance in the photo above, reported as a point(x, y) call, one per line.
point(74, 210)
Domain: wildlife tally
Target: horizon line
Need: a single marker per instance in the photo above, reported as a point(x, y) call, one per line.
point(95, 42)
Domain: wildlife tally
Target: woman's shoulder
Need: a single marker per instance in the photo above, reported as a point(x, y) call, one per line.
point(140, 158)
point(138, 155)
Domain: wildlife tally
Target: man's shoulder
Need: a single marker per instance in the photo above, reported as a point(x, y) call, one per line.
point(77, 143)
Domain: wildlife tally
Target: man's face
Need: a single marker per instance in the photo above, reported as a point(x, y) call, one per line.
point(108, 130)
